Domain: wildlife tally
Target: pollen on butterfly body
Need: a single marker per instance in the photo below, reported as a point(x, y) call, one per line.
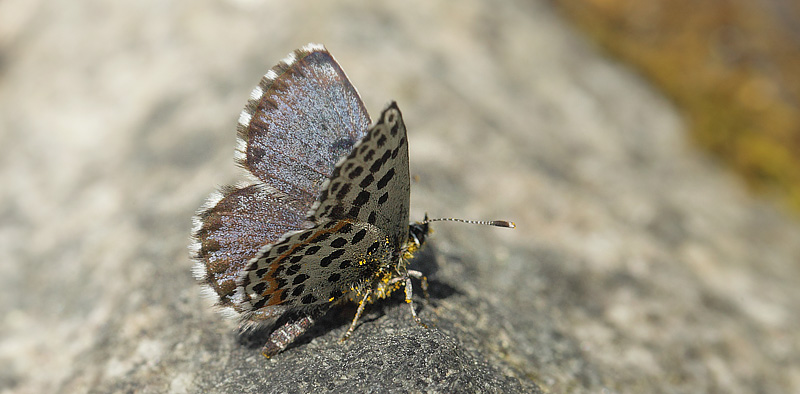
point(323, 218)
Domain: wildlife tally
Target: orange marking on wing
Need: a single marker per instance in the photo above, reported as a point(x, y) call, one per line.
point(275, 297)
point(273, 292)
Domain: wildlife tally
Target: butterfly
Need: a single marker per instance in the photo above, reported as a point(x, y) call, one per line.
point(324, 216)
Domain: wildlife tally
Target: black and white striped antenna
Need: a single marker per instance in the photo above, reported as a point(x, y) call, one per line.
point(496, 223)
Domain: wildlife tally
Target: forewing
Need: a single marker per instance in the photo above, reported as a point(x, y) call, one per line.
point(301, 118)
point(371, 184)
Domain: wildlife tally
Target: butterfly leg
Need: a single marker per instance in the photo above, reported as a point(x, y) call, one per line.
point(422, 279)
point(410, 301)
point(286, 334)
point(361, 305)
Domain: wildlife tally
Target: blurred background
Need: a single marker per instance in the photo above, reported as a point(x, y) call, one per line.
point(731, 68)
point(647, 150)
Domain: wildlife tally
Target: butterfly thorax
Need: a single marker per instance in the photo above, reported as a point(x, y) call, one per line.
point(381, 286)
point(387, 274)
point(390, 276)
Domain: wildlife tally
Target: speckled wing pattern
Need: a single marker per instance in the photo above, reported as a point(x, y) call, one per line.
point(233, 225)
point(288, 154)
point(360, 224)
point(301, 119)
point(372, 183)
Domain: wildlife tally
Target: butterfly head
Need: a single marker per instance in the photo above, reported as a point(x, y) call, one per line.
point(417, 232)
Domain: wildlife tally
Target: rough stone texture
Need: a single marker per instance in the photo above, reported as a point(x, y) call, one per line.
point(637, 266)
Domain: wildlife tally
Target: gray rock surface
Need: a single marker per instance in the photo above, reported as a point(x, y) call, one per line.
point(638, 265)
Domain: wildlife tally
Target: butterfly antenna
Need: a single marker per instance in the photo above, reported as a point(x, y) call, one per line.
point(496, 223)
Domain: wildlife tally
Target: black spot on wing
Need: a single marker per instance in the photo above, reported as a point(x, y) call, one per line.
point(338, 242)
point(358, 236)
point(299, 279)
point(362, 198)
point(385, 179)
point(308, 299)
